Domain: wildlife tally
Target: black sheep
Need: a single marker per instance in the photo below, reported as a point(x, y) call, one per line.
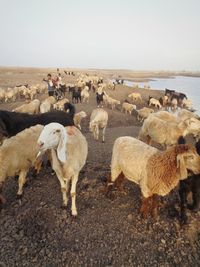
point(191, 184)
point(12, 123)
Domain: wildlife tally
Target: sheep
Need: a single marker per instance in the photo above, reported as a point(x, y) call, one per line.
point(17, 155)
point(143, 113)
point(135, 97)
point(98, 120)
point(167, 133)
point(76, 95)
point(166, 116)
point(2, 94)
point(156, 172)
point(30, 108)
point(78, 118)
point(192, 184)
point(69, 151)
point(186, 114)
point(12, 123)
point(154, 102)
point(112, 102)
point(174, 104)
point(85, 94)
point(10, 95)
point(47, 104)
point(128, 108)
point(186, 103)
point(60, 104)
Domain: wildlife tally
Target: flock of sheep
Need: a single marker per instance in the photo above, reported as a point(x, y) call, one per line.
point(33, 130)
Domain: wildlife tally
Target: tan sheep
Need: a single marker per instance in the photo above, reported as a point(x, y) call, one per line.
point(18, 154)
point(31, 108)
point(60, 104)
point(156, 172)
point(128, 108)
point(135, 97)
point(143, 113)
point(47, 104)
point(165, 132)
point(112, 102)
point(78, 118)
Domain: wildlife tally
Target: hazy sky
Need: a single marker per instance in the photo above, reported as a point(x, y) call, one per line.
point(125, 34)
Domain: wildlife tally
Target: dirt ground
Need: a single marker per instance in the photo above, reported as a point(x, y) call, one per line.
point(107, 231)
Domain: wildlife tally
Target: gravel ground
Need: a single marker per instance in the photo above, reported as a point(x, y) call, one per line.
point(107, 231)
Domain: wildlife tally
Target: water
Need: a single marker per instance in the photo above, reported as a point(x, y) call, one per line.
point(188, 85)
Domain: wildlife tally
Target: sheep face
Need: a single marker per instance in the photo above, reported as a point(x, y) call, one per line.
point(92, 126)
point(53, 136)
point(188, 161)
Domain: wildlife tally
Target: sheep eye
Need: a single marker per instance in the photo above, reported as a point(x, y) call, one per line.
point(57, 131)
point(191, 157)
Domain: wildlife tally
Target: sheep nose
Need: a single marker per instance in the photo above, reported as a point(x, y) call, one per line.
point(40, 144)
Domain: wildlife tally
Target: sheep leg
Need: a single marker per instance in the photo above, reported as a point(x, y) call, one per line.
point(59, 174)
point(2, 199)
point(183, 202)
point(73, 194)
point(103, 134)
point(148, 140)
point(145, 207)
point(21, 182)
point(196, 198)
point(154, 207)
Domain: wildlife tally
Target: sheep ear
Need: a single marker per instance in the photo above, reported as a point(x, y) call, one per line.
point(61, 149)
point(181, 167)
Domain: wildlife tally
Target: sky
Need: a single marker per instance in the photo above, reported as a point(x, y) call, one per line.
point(110, 34)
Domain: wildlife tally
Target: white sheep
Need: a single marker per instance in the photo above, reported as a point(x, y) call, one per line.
point(154, 102)
point(85, 94)
point(78, 118)
point(98, 120)
point(165, 132)
point(18, 154)
point(69, 151)
point(128, 108)
point(156, 172)
point(32, 108)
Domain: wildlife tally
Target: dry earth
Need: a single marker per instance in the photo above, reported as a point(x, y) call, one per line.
point(107, 232)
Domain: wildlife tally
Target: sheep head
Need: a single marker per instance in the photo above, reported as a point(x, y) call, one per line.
point(92, 126)
point(192, 125)
point(54, 136)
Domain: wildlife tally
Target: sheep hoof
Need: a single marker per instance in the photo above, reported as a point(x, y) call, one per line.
point(2, 200)
point(19, 197)
point(63, 207)
point(74, 214)
point(183, 220)
point(103, 141)
point(192, 207)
